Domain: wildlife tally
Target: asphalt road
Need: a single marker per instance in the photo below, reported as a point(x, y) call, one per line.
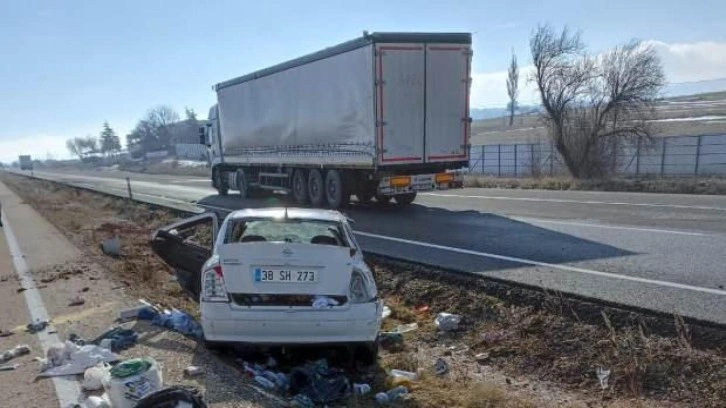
point(663, 252)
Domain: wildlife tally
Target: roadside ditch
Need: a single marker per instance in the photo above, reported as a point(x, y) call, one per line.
point(514, 347)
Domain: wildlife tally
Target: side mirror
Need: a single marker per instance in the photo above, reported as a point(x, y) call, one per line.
point(202, 136)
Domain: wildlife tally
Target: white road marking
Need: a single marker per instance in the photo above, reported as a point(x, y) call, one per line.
point(563, 201)
point(588, 225)
point(548, 265)
point(66, 388)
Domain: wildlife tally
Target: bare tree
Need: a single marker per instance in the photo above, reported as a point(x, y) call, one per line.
point(83, 147)
point(592, 104)
point(512, 87)
point(161, 118)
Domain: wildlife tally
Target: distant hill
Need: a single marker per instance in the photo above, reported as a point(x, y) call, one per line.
point(491, 113)
point(692, 88)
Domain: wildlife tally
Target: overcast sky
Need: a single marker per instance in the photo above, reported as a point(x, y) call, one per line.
point(68, 66)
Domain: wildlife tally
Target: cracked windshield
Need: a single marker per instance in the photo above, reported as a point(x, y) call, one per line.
point(363, 204)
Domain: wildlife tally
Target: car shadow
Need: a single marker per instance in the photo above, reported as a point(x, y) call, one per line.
point(481, 241)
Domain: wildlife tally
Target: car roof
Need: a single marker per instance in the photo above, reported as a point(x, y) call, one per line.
point(292, 212)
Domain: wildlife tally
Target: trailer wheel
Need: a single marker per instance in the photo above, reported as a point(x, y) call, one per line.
point(316, 188)
point(242, 184)
point(300, 187)
point(336, 193)
point(219, 183)
point(403, 200)
point(383, 199)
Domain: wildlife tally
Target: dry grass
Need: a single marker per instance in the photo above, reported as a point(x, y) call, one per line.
point(716, 186)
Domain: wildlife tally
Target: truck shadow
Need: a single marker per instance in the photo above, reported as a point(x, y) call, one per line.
point(481, 241)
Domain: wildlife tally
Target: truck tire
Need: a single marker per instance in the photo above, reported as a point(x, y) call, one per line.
point(383, 199)
point(403, 200)
point(300, 187)
point(219, 183)
point(316, 188)
point(336, 193)
point(242, 184)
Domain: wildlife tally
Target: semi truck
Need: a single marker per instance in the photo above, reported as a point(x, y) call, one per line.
point(26, 163)
point(383, 116)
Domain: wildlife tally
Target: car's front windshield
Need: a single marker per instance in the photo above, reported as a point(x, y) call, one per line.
point(286, 230)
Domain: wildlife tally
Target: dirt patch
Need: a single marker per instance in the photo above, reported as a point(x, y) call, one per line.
point(715, 186)
point(515, 348)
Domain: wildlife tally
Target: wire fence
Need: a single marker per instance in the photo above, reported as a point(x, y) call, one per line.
point(703, 155)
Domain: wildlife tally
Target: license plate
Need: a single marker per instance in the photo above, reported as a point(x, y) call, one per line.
point(284, 275)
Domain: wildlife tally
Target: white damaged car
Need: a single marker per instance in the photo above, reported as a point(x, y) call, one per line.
point(275, 276)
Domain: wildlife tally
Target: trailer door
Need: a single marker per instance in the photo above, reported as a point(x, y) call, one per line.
point(447, 102)
point(400, 90)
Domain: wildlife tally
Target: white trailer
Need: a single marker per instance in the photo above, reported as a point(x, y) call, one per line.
point(385, 116)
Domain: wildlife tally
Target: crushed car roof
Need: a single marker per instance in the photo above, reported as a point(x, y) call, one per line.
point(294, 213)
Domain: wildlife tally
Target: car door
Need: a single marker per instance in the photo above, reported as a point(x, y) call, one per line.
point(185, 246)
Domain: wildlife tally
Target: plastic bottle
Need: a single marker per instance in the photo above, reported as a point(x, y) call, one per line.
point(264, 382)
point(361, 389)
point(396, 393)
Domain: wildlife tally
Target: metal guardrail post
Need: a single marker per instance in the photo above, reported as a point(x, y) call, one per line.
point(483, 158)
point(637, 158)
point(552, 159)
point(128, 186)
point(515, 160)
point(499, 160)
point(698, 155)
point(663, 156)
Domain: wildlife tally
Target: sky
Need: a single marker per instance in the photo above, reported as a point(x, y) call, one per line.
point(66, 67)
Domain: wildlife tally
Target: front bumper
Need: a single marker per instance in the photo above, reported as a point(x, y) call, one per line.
point(225, 322)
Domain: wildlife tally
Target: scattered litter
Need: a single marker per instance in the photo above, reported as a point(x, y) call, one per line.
point(319, 382)
point(494, 337)
point(111, 246)
point(21, 290)
point(95, 376)
point(36, 326)
point(390, 339)
point(361, 389)
point(264, 382)
point(77, 301)
point(482, 358)
point(193, 371)
point(447, 322)
point(422, 309)
point(278, 379)
point(405, 328)
point(9, 367)
point(441, 367)
point(386, 312)
point(98, 402)
point(603, 374)
point(144, 311)
point(301, 401)
point(16, 351)
point(324, 302)
point(178, 321)
point(401, 378)
point(132, 380)
point(116, 339)
point(69, 358)
point(5, 333)
point(76, 339)
point(175, 396)
point(391, 395)
point(85, 289)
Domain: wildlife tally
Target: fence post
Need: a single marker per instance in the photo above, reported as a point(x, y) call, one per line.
point(552, 159)
point(483, 156)
point(128, 186)
point(499, 160)
point(515, 160)
point(662, 156)
point(698, 155)
point(637, 157)
point(531, 160)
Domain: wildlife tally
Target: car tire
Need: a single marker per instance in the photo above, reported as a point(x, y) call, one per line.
point(242, 185)
point(316, 188)
point(219, 183)
point(402, 200)
point(366, 353)
point(336, 193)
point(299, 187)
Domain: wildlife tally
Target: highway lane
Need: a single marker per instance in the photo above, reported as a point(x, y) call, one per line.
point(663, 252)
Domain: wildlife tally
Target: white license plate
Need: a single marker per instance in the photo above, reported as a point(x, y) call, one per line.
point(284, 275)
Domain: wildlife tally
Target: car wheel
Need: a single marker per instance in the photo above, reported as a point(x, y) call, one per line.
point(300, 187)
point(405, 199)
point(367, 353)
point(219, 183)
point(242, 185)
point(316, 188)
point(336, 193)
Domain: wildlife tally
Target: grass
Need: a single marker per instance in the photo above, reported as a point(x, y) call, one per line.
point(715, 186)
